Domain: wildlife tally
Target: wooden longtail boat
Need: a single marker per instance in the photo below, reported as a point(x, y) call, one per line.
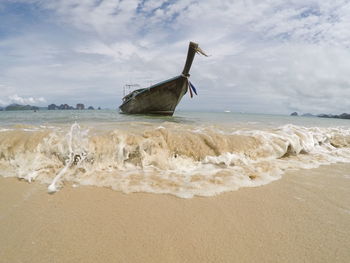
point(162, 98)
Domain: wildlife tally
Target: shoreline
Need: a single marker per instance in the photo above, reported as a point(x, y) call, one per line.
point(303, 217)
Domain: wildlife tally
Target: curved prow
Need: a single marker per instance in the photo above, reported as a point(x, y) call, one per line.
point(193, 48)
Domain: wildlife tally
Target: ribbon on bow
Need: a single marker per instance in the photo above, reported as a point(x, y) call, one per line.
point(192, 88)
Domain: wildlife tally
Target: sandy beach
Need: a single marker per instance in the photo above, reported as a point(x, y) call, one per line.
point(304, 217)
point(177, 131)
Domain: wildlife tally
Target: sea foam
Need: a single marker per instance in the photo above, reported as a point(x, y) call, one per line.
point(179, 159)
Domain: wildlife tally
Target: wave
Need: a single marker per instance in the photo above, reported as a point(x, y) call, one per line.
point(177, 159)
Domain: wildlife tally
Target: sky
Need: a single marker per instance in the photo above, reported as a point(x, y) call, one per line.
point(266, 56)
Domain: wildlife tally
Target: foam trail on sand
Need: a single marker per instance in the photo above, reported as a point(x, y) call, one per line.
point(72, 157)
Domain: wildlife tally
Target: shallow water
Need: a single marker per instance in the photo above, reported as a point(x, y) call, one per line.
point(113, 116)
point(190, 154)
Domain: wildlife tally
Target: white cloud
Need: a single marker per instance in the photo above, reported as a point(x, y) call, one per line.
point(267, 56)
point(22, 100)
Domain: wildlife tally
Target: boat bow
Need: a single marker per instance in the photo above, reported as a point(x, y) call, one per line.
point(193, 48)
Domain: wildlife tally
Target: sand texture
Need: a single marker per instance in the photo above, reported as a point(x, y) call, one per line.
point(304, 217)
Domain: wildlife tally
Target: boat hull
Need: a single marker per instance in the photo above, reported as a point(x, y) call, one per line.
point(159, 99)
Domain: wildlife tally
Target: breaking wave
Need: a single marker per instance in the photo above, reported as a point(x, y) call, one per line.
point(177, 159)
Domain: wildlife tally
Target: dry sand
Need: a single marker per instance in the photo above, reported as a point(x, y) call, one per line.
point(304, 217)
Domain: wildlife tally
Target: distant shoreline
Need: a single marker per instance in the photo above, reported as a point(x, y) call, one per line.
point(19, 107)
point(340, 116)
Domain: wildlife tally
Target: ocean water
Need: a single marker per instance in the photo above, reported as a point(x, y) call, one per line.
point(189, 154)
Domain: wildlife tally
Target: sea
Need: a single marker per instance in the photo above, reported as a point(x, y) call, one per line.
point(186, 155)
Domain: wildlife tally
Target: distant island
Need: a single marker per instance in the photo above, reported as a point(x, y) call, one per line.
point(18, 107)
point(340, 116)
point(13, 107)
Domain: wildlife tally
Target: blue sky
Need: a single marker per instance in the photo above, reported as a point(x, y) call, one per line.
point(270, 56)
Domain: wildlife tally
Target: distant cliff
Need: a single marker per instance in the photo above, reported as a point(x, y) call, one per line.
point(80, 106)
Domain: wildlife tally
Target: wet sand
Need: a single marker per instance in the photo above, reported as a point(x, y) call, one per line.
point(304, 217)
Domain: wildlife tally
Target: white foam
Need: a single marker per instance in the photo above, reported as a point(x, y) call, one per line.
point(30, 130)
point(5, 130)
point(74, 152)
point(170, 159)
